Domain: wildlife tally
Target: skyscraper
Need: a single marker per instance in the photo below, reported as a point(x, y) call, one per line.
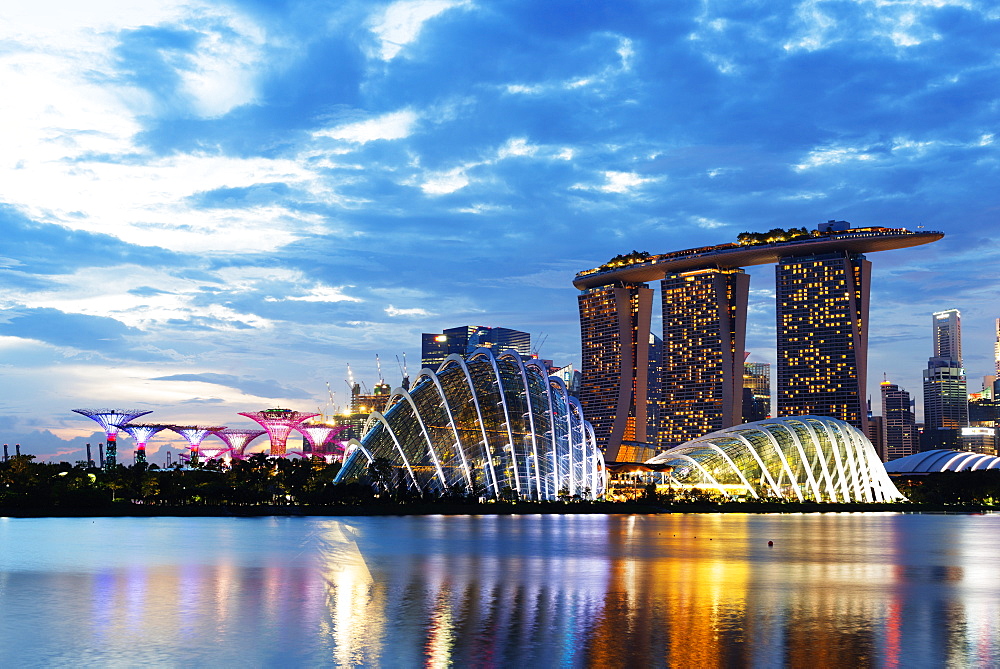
point(946, 399)
point(996, 349)
point(704, 331)
point(823, 292)
point(434, 348)
point(899, 429)
point(822, 318)
point(614, 328)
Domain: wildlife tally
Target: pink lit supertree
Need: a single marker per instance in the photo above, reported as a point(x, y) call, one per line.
point(141, 433)
point(322, 439)
point(278, 423)
point(237, 439)
point(112, 420)
point(195, 434)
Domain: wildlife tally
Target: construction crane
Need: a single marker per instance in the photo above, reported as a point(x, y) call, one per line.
point(402, 370)
point(538, 346)
point(378, 366)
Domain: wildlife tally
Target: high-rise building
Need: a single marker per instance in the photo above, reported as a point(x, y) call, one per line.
point(899, 430)
point(996, 349)
point(946, 399)
point(756, 391)
point(614, 328)
point(463, 340)
point(823, 293)
point(654, 383)
point(822, 318)
point(704, 331)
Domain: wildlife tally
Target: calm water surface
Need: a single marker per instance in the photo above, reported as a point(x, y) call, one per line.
point(835, 590)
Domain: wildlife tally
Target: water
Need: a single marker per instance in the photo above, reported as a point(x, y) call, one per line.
point(835, 590)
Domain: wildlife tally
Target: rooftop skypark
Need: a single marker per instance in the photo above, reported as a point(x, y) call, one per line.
point(753, 248)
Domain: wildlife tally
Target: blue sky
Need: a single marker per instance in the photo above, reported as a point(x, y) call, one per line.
point(215, 207)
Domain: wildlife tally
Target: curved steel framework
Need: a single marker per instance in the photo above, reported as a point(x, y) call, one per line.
point(798, 458)
point(111, 420)
point(237, 439)
point(278, 423)
point(496, 424)
point(322, 439)
point(141, 433)
point(942, 460)
point(195, 434)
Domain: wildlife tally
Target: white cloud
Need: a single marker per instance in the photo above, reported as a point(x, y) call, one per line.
point(395, 125)
point(319, 293)
point(442, 183)
point(707, 223)
point(402, 21)
point(617, 182)
point(414, 312)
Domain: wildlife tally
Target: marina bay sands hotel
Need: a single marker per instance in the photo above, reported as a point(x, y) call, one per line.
point(822, 288)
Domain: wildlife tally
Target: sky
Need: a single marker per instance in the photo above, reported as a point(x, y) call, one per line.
point(215, 207)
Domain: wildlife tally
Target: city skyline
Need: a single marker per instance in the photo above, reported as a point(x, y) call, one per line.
point(210, 208)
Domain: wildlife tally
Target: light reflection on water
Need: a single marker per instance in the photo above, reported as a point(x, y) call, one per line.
point(684, 590)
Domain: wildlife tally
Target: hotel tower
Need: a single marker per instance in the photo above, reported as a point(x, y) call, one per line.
point(822, 285)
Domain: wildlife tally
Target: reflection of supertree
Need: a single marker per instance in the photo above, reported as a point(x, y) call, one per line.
point(111, 420)
point(322, 438)
point(195, 434)
point(141, 433)
point(278, 423)
point(237, 439)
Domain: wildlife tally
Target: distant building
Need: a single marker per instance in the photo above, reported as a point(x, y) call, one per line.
point(465, 339)
point(979, 440)
point(899, 430)
point(876, 435)
point(756, 391)
point(946, 399)
point(654, 386)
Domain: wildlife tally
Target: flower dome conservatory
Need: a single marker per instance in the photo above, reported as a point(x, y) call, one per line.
point(500, 425)
point(798, 458)
point(942, 460)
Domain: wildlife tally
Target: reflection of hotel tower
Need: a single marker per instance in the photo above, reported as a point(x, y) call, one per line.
point(822, 288)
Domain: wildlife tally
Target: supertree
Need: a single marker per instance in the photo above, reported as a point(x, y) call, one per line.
point(141, 433)
point(237, 439)
point(195, 434)
point(322, 438)
point(278, 423)
point(112, 420)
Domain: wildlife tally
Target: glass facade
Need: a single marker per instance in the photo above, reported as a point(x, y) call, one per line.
point(499, 425)
point(799, 458)
point(704, 329)
point(822, 320)
point(614, 331)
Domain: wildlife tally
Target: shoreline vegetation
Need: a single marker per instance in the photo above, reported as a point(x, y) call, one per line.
point(267, 486)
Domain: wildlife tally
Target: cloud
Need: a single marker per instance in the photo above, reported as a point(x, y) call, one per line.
point(76, 331)
point(402, 21)
point(394, 125)
point(393, 312)
point(269, 389)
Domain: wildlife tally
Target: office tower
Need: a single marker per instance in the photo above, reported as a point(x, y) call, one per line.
point(614, 329)
point(756, 391)
point(996, 349)
point(704, 330)
point(898, 426)
point(876, 435)
point(463, 340)
point(947, 327)
point(946, 399)
point(822, 319)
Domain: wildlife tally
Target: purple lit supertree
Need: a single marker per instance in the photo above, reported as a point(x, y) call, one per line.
point(278, 423)
point(141, 433)
point(322, 438)
point(112, 420)
point(237, 439)
point(195, 434)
